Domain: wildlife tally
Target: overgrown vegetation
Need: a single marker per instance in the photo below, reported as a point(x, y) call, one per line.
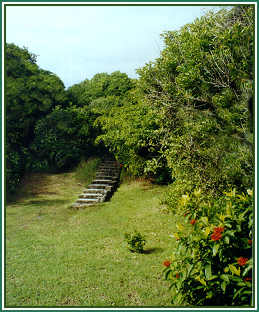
point(86, 169)
point(187, 122)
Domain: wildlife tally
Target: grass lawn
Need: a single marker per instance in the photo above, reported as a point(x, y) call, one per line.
point(56, 256)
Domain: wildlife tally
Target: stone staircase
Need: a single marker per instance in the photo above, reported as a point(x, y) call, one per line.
point(101, 189)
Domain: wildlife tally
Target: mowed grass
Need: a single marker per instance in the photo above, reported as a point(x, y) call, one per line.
point(57, 256)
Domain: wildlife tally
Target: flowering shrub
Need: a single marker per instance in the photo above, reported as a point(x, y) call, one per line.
point(167, 263)
point(212, 263)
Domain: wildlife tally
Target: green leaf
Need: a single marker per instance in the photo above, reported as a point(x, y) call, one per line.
point(167, 274)
point(208, 271)
point(209, 295)
point(213, 277)
point(215, 249)
point(234, 270)
point(225, 277)
point(223, 286)
point(226, 239)
point(201, 280)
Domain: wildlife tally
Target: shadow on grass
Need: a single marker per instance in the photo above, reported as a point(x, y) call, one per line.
point(47, 202)
point(155, 250)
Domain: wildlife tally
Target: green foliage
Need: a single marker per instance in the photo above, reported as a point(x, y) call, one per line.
point(101, 85)
point(31, 93)
point(199, 90)
point(136, 241)
point(63, 137)
point(187, 119)
point(213, 257)
point(131, 132)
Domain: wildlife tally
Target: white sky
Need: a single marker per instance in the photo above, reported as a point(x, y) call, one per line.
point(76, 42)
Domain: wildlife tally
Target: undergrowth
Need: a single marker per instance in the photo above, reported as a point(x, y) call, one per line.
point(85, 171)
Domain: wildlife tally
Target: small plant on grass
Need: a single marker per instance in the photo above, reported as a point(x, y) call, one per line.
point(136, 241)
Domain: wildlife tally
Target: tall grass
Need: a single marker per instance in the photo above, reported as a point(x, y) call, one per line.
point(85, 171)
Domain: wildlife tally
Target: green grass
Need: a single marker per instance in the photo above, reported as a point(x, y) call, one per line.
point(56, 256)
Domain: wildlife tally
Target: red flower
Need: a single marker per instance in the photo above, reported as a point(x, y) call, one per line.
point(167, 263)
point(218, 229)
point(250, 242)
point(193, 221)
point(242, 261)
point(177, 275)
point(247, 279)
point(216, 236)
point(121, 165)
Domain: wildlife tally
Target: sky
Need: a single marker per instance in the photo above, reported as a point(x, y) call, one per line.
point(77, 42)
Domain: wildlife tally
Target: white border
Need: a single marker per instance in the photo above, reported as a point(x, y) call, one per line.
point(131, 2)
point(255, 184)
point(3, 180)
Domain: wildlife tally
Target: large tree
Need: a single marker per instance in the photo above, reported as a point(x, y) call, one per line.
point(30, 94)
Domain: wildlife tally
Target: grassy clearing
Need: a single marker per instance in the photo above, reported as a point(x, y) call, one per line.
point(56, 256)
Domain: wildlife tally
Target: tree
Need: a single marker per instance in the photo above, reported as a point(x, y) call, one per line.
point(30, 94)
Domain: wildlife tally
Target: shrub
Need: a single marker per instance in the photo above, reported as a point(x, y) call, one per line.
point(213, 257)
point(136, 241)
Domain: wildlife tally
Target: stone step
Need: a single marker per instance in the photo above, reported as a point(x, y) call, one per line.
point(88, 200)
point(96, 191)
point(78, 205)
point(91, 195)
point(108, 170)
point(104, 181)
point(109, 162)
point(99, 186)
point(108, 166)
point(108, 173)
point(107, 178)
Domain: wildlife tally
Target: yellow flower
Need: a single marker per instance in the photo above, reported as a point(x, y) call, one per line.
point(250, 192)
point(207, 231)
point(201, 280)
point(232, 193)
point(185, 199)
point(234, 270)
point(179, 226)
point(197, 193)
point(176, 236)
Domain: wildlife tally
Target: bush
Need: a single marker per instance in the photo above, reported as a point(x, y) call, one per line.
point(136, 241)
point(212, 263)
